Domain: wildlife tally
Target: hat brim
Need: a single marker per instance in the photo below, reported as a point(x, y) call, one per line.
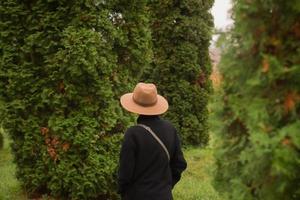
point(160, 107)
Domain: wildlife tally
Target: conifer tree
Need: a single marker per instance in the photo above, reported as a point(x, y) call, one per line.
point(133, 48)
point(56, 82)
point(181, 31)
point(260, 153)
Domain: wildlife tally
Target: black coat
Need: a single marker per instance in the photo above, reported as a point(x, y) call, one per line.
point(144, 172)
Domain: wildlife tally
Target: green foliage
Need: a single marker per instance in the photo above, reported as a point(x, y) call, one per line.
point(181, 31)
point(194, 184)
point(64, 65)
point(133, 47)
point(1, 138)
point(1, 141)
point(57, 82)
point(260, 153)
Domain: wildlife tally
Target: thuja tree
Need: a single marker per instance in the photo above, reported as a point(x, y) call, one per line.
point(56, 78)
point(133, 48)
point(260, 154)
point(181, 31)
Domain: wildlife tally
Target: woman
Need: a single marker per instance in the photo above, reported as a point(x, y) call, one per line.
point(151, 160)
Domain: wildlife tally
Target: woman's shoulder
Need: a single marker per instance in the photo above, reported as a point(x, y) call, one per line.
point(168, 124)
point(132, 130)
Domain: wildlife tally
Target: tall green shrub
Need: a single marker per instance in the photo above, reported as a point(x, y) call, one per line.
point(133, 48)
point(260, 153)
point(181, 31)
point(56, 78)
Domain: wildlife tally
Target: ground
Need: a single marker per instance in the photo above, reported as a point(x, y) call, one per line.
point(196, 182)
point(9, 186)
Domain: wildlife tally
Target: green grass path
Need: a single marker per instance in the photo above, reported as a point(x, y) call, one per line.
point(9, 186)
point(196, 181)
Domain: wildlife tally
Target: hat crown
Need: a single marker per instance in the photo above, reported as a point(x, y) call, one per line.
point(145, 94)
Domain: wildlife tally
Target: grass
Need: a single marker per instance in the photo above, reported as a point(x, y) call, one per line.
point(10, 188)
point(196, 181)
point(195, 184)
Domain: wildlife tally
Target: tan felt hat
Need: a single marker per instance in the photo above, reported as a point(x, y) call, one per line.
point(144, 100)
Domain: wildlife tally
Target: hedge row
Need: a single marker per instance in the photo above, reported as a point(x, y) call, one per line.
point(260, 153)
point(64, 65)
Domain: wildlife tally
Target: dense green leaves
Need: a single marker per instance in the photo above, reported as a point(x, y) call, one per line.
point(259, 157)
point(181, 31)
point(133, 47)
point(64, 65)
point(57, 84)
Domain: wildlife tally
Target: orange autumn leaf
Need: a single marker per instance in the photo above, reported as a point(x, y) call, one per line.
point(290, 101)
point(44, 130)
point(52, 153)
point(65, 146)
point(47, 141)
point(265, 65)
point(55, 141)
point(201, 79)
point(286, 142)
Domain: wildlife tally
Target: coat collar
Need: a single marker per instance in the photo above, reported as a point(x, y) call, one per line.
point(146, 118)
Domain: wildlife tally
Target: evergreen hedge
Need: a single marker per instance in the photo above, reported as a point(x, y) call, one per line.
point(181, 33)
point(133, 47)
point(64, 65)
point(260, 153)
point(57, 77)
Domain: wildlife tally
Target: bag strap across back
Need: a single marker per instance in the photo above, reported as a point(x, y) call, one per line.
point(156, 138)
